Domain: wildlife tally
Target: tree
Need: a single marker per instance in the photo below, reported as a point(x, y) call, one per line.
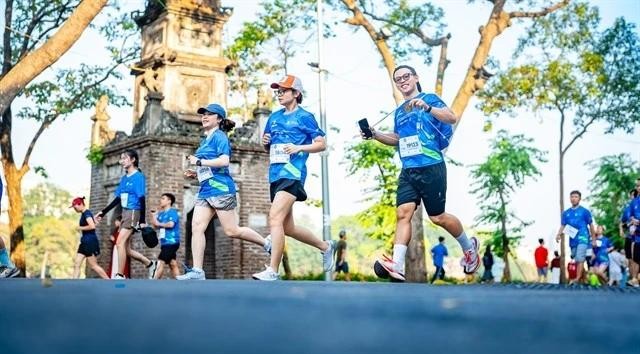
point(28, 28)
point(50, 227)
point(511, 162)
point(614, 177)
point(16, 75)
point(251, 51)
point(580, 75)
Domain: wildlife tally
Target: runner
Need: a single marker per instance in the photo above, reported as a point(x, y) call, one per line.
point(89, 245)
point(130, 194)
point(217, 195)
point(601, 248)
point(577, 223)
point(290, 135)
point(422, 129)
point(167, 222)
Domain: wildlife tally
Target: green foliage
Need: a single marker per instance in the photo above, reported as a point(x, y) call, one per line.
point(611, 183)
point(570, 68)
point(49, 226)
point(95, 155)
point(368, 157)
point(511, 162)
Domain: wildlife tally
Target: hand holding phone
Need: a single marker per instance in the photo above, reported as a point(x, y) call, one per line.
point(365, 128)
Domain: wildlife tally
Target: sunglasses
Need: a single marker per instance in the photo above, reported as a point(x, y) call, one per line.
point(402, 78)
point(280, 92)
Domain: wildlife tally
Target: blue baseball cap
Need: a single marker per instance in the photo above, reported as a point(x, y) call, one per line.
point(213, 108)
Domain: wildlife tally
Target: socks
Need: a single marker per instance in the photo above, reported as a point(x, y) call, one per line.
point(464, 242)
point(399, 254)
point(4, 258)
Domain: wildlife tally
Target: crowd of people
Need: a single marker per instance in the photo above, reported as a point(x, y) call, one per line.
point(422, 129)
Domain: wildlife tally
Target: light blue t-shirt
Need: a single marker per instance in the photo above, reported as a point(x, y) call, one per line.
point(130, 190)
point(438, 252)
point(171, 235)
point(422, 136)
point(219, 181)
point(601, 250)
point(580, 218)
point(299, 128)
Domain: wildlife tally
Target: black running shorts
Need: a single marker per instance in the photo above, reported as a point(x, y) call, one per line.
point(291, 186)
point(427, 184)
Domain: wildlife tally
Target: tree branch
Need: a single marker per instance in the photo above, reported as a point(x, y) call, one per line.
point(416, 31)
point(56, 114)
point(541, 13)
point(580, 134)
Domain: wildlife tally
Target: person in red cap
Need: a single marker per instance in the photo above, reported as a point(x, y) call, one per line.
point(89, 246)
point(290, 135)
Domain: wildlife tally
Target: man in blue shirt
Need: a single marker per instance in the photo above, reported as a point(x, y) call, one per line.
point(167, 222)
point(577, 223)
point(634, 232)
point(422, 129)
point(438, 252)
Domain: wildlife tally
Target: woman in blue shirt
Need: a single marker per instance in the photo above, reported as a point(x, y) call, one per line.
point(217, 193)
point(290, 135)
point(130, 194)
point(89, 246)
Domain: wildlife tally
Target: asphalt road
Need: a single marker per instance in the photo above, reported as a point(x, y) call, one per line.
point(242, 316)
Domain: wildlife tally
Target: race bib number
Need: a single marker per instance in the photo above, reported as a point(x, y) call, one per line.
point(570, 231)
point(598, 243)
point(204, 173)
point(162, 233)
point(124, 199)
point(277, 154)
point(409, 146)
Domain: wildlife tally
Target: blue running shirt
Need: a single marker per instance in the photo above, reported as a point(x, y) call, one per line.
point(635, 212)
point(578, 218)
point(421, 134)
point(601, 249)
point(299, 128)
point(130, 190)
point(169, 236)
point(214, 181)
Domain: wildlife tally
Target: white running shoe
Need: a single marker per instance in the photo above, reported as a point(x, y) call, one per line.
point(470, 262)
point(9, 272)
point(327, 257)
point(267, 275)
point(267, 244)
point(119, 276)
point(152, 268)
point(192, 274)
point(385, 267)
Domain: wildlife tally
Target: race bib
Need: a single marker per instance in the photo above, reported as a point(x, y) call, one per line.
point(409, 146)
point(124, 199)
point(570, 231)
point(277, 154)
point(598, 243)
point(204, 173)
point(162, 233)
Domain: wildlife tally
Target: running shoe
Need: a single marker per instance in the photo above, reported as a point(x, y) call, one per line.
point(385, 268)
point(9, 272)
point(267, 275)
point(327, 257)
point(267, 244)
point(470, 262)
point(152, 268)
point(192, 274)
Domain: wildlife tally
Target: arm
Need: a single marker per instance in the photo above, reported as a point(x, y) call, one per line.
point(443, 114)
point(143, 209)
point(560, 232)
point(111, 205)
point(90, 225)
point(390, 139)
point(220, 161)
point(318, 145)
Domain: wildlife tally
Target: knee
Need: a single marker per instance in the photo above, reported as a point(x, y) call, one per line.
point(198, 227)
point(275, 220)
point(404, 214)
point(438, 219)
point(231, 231)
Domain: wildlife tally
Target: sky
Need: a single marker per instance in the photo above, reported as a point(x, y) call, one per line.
point(358, 87)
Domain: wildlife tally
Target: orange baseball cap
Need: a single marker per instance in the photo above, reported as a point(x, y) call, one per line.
point(290, 82)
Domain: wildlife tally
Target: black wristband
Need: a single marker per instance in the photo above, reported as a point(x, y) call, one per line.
point(429, 109)
point(198, 162)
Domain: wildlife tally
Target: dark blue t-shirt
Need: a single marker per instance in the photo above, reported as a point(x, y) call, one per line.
point(438, 252)
point(90, 234)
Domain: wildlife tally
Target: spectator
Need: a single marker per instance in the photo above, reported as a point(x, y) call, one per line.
point(341, 257)
point(487, 262)
point(617, 262)
point(541, 256)
point(438, 252)
point(555, 268)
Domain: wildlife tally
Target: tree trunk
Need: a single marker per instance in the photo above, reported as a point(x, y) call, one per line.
point(36, 62)
point(506, 274)
point(563, 256)
point(13, 177)
point(474, 80)
point(416, 267)
point(389, 62)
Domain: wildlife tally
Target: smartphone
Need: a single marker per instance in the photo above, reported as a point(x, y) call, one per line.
point(365, 129)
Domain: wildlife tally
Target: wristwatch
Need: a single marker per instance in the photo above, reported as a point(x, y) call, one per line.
point(198, 162)
point(429, 109)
